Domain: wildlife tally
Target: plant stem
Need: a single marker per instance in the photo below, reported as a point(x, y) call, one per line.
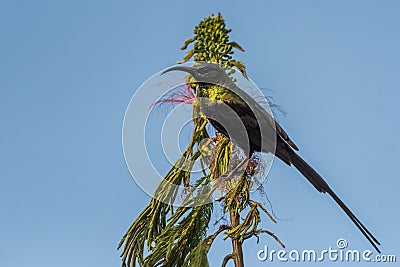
point(237, 254)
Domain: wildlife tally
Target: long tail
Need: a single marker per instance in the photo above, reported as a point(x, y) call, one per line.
point(319, 183)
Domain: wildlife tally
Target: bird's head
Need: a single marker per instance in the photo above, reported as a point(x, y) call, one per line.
point(205, 72)
point(212, 75)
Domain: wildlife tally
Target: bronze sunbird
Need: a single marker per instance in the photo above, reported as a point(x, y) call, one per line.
point(264, 134)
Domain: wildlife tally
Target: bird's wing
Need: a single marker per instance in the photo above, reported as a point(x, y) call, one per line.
point(265, 115)
point(262, 113)
point(249, 121)
point(285, 136)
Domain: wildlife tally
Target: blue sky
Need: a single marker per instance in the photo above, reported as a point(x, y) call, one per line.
point(69, 68)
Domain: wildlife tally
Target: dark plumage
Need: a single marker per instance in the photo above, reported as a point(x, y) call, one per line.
point(264, 134)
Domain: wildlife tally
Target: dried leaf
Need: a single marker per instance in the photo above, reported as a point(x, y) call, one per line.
point(236, 45)
point(187, 42)
point(188, 55)
point(240, 66)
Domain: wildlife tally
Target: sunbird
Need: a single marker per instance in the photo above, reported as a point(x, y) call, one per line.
point(226, 106)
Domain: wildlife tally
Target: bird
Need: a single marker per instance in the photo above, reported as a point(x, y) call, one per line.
point(223, 103)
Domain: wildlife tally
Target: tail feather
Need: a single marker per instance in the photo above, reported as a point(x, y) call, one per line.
point(319, 183)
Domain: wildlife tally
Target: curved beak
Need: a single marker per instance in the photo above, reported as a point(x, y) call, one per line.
point(187, 69)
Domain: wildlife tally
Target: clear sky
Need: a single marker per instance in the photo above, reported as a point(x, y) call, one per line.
point(69, 68)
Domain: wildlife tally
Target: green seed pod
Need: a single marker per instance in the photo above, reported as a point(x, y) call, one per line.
point(211, 38)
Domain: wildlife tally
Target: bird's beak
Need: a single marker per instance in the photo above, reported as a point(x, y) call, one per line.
point(187, 69)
